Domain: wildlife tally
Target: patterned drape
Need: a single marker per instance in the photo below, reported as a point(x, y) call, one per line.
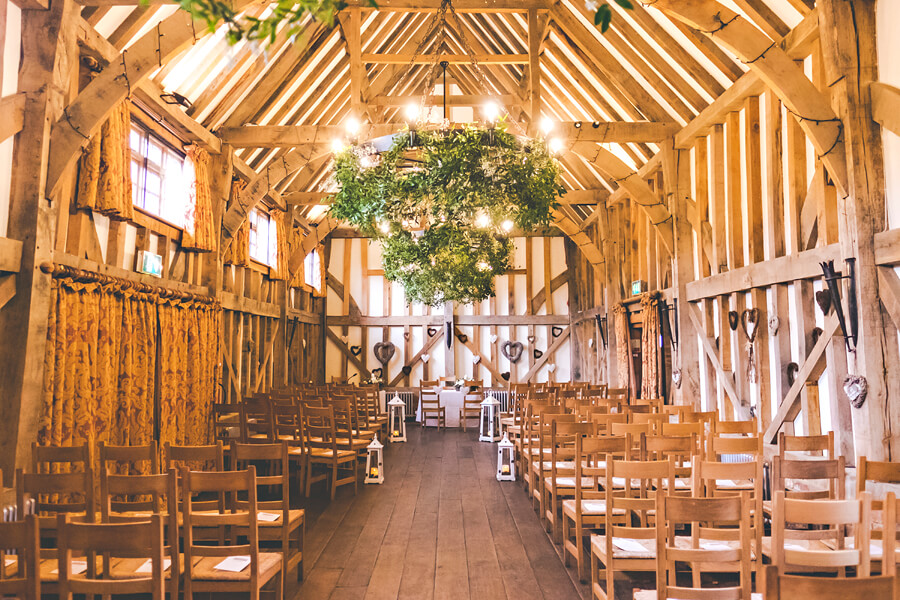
point(101, 365)
point(623, 344)
point(104, 177)
point(188, 370)
point(283, 225)
point(200, 229)
point(238, 251)
point(650, 350)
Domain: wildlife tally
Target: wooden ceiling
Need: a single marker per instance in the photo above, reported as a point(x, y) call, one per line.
point(623, 91)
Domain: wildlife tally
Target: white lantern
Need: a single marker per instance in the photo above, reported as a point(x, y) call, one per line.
point(489, 429)
point(397, 419)
point(375, 461)
point(506, 460)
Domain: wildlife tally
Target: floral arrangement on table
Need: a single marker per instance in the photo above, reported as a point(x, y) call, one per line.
point(443, 204)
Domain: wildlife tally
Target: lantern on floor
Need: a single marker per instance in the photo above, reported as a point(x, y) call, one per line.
point(489, 430)
point(506, 460)
point(375, 461)
point(397, 419)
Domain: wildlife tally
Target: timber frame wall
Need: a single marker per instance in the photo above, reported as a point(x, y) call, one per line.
point(722, 197)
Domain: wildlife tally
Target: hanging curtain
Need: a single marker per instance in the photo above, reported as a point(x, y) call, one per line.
point(99, 365)
point(200, 230)
point(281, 246)
point(188, 370)
point(238, 251)
point(623, 344)
point(104, 178)
point(650, 351)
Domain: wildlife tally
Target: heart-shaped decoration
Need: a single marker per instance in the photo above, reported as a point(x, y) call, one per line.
point(431, 331)
point(733, 318)
point(463, 338)
point(406, 369)
point(494, 338)
point(792, 369)
point(355, 350)
point(815, 334)
point(676, 377)
point(774, 324)
point(512, 351)
point(344, 338)
point(551, 367)
point(537, 354)
point(505, 375)
point(556, 331)
point(377, 373)
point(750, 323)
point(406, 335)
point(476, 359)
point(426, 358)
point(856, 387)
point(823, 299)
point(531, 339)
point(384, 351)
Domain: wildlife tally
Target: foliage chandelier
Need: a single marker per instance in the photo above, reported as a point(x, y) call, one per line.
point(443, 200)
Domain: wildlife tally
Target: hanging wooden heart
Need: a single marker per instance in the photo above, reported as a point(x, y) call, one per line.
point(431, 331)
point(505, 375)
point(377, 373)
point(476, 359)
point(750, 323)
point(512, 351)
point(774, 324)
point(406, 369)
point(733, 318)
point(425, 358)
point(530, 339)
point(792, 369)
point(384, 351)
point(355, 350)
point(556, 331)
point(551, 367)
point(494, 339)
point(823, 299)
point(856, 387)
point(676, 377)
point(463, 338)
point(406, 335)
point(815, 334)
point(537, 354)
point(344, 338)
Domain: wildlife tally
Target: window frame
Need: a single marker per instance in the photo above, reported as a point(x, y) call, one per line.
point(148, 133)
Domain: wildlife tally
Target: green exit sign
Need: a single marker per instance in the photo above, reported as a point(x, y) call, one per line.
point(638, 287)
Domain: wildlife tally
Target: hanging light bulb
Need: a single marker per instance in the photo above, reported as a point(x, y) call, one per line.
point(337, 146)
point(555, 146)
point(385, 227)
point(483, 266)
point(412, 112)
point(491, 112)
point(506, 225)
point(352, 125)
point(546, 125)
point(482, 220)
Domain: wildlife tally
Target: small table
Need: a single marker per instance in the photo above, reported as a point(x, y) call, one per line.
point(451, 400)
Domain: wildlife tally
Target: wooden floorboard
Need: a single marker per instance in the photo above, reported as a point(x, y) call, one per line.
point(441, 526)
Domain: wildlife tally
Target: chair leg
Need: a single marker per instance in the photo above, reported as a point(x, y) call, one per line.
point(334, 478)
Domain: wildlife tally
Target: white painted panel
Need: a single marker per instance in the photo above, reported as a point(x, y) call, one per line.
point(887, 18)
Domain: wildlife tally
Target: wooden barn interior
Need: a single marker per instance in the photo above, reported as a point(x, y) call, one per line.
point(682, 381)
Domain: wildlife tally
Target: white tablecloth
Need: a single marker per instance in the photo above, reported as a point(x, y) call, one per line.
point(450, 399)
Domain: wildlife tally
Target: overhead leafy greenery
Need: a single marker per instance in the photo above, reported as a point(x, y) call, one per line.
point(443, 203)
point(603, 14)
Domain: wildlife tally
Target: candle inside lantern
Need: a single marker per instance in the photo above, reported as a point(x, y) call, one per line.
point(396, 433)
point(505, 469)
point(373, 472)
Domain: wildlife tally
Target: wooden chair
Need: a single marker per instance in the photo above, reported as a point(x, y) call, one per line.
point(716, 479)
point(629, 543)
point(879, 474)
point(831, 472)
point(430, 404)
point(20, 559)
point(226, 421)
point(348, 435)
point(197, 458)
point(288, 529)
point(679, 448)
point(134, 498)
point(715, 544)
point(142, 541)
point(201, 574)
point(587, 510)
point(778, 586)
point(824, 548)
point(888, 534)
point(655, 404)
point(814, 445)
point(322, 443)
point(127, 459)
point(256, 420)
point(471, 407)
point(560, 482)
point(540, 453)
point(749, 427)
point(618, 394)
point(720, 446)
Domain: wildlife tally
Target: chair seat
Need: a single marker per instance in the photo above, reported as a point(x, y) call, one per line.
point(204, 569)
point(799, 552)
point(627, 548)
point(589, 508)
point(560, 464)
point(49, 568)
point(569, 481)
point(125, 568)
point(295, 517)
point(684, 542)
point(680, 483)
point(652, 595)
point(329, 453)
